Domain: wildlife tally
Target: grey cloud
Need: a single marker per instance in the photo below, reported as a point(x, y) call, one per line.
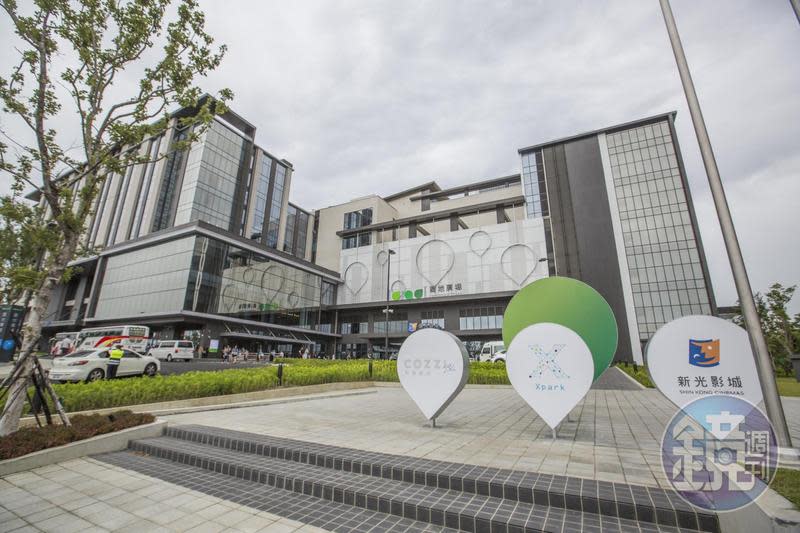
point(376, 96)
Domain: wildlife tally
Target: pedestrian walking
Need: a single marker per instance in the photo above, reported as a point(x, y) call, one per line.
point(114, 359)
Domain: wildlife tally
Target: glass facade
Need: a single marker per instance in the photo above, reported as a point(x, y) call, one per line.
point(291, 225)
point(148, 280)
point(162, 212)
point(144, 191)
point(229, 280)
point(354, 324)
point(212, 172)
point(206, 275)
point(663, 255)
point(260, 196)
point(276, 205)
point(481, 318)
point(301, 233)
point(398, 322)
point(533, 185)
point(433, 318)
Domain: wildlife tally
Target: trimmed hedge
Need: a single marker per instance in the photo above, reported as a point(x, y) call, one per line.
point(296, 372)
point(29, 440)
point(639, 373)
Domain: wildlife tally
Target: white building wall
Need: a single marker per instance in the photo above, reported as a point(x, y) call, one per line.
point(492, 258)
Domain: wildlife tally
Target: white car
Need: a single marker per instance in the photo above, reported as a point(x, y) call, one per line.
point(90, 365)
point(499, 357)
point(170, 350)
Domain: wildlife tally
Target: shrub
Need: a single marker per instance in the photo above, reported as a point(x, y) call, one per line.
point(639, 373)
point(29, 440)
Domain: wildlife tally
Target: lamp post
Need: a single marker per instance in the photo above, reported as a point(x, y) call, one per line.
point(766, 375)
point(386, 318)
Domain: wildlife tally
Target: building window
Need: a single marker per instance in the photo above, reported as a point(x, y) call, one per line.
point(358, 219)
point(353, 325)
point(398, 322)
point(353, 350)
point(260, 198)
point(432, 319)
point(163, 207)
point(533, 185)
point(353, 241)
point(490, 317)
point(328, 293)
point(274, 223)
point(291, 224)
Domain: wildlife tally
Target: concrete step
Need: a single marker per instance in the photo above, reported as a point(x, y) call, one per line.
point(324, 514)
point(450, 508)
point(645, 505)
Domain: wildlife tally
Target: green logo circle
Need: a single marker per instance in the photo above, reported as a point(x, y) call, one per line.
point(572, 304)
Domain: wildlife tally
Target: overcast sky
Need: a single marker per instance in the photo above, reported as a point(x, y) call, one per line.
point(377, 96)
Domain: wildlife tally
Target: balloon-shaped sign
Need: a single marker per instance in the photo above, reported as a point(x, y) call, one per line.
point(551, 368)
point(695, 356)
point(572, 304)
point(433, 367)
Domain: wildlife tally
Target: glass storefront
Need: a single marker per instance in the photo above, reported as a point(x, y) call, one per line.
point(207, 275)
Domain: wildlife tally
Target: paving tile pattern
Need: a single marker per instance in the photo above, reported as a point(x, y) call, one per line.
point(647, 504)
point(88, 496)
point(307, 509)
point(464, 497)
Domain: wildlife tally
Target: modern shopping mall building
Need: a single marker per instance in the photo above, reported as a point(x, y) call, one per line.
point(205, 244)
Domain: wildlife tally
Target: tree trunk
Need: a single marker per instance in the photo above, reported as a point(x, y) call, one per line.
point(9, 421)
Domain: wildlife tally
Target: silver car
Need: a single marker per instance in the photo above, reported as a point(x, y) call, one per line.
point(90, 365)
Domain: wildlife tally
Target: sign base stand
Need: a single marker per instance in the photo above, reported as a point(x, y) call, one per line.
point(433, 423)
point(555, 434)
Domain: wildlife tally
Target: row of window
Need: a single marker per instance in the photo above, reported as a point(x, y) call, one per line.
point(476, 318)
point(481, 318)
point(354, 241)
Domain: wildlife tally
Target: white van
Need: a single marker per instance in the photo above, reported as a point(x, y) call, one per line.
point(170, 350)
point(490, 349)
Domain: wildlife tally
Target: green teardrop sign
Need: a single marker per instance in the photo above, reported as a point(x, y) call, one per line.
point(570, 303)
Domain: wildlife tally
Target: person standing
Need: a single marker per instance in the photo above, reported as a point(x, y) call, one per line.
point(114, 359)
point(65, 346)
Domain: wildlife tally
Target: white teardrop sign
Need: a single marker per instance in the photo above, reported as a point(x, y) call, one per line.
point(551, 367)
point(433, 367)
point(694, 356)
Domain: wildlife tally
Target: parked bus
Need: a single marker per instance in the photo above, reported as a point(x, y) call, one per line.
point(131, 337)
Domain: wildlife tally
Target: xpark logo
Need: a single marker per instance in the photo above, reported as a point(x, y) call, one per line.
point(547, 361)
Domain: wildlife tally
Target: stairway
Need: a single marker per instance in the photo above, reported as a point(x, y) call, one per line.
point(346, 489)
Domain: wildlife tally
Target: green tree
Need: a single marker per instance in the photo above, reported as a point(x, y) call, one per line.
point(781, 330)
point(70, 54)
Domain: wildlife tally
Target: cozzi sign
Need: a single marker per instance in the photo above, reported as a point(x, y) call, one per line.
point(432, 381)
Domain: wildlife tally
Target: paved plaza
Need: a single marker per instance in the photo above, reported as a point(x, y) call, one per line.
point(613, 435)
point(88, 496)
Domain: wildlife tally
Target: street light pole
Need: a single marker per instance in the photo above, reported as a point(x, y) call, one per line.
point(386, 311)
point(766, 375)
point(796, 7)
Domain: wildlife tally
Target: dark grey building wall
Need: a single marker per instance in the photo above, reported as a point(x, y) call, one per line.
point(583, 236)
